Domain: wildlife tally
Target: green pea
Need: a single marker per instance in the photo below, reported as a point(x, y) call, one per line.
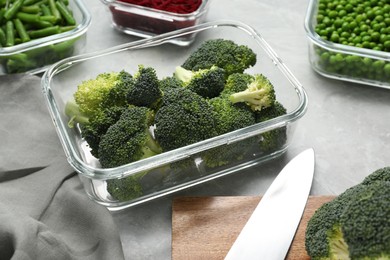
point(386, 69)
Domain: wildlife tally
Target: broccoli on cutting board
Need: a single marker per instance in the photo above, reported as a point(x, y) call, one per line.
point(356, 224)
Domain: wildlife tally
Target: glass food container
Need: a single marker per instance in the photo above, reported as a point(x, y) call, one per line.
point(183, 167)
point(36, 55)
point(345, 62)
point(146, 22)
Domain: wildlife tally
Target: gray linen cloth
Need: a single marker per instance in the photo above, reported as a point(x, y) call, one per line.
point(44, 211)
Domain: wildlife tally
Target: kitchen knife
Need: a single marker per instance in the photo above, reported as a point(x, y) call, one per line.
point(271, 228)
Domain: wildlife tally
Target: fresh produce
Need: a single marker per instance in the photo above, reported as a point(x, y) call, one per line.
point(355, 225)
point(174, 6)
point(23, 21)
point(357, 23)
point(128, 117)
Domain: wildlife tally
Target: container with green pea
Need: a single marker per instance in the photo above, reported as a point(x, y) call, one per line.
point(37, 33)
point(350, 40)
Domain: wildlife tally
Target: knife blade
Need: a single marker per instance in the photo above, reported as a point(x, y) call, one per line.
point(271, 228)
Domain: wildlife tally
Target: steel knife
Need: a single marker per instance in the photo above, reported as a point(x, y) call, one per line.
point(271, 228)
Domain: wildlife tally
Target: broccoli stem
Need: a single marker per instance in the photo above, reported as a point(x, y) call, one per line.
point(254, 97)
point(183, 74)
point(154, 148)
point(72, 110)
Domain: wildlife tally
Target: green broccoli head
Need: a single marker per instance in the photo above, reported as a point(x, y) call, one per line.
point(229, 117)
point(129, 139)
point(206, 82)
point(170, 82)
point(125, 189)
point(365, 222)
point(272, 140)
point(90, 94)
point(382, 174)
point(96, 127)
point(222, 53)
point(236, 82)
point(184, 118)
point(321, 230)
point(259, 94)
point(116, 96)
point(145, 90)
point(355, 224)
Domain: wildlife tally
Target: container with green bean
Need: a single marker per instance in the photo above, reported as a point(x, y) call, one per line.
point(350, 40)
point(37, 33)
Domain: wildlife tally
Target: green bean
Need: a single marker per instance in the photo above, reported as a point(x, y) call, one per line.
point(54, 10)
point(11, 12)
point(21, 30)
point(45, 10)
point(31, 9)
point(31, 2)
point(2, 37)
point(65, 13)
point(67, 28)
point(44, 32)
point(28, 18)
point(9, 33)
point(48, 18)
point(2, 11)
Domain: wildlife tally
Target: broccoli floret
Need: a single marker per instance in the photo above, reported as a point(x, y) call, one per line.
point(236, 82)
point(116, 96)
point(272, 140)
point(145, 90)
point(259, 94)
point(382, 174)
point(90, 94)
point(184, 118)
point(354, 225)
point(222, 53)
point(95, 128)
point(129, 139)
point(365, 222)
point(170, 82)
point(229, 117)
point(323, 223)
point(126, 188)
point(206, 82)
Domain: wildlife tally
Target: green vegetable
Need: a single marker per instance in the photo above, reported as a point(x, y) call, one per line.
point(126, 188)
point(125, 118)
point(355, 224)
point(229, 117)
point(222, 53)
point(205, 82)
point(65, 13)
point(96, 127)
point(129, 139)
point(184, 118)
point(2, 38)
point(101, 92)
point(272, 140)
point(10, 12)
point(145, 89)
point(9, 32)
point(32, 19)
point(21, 30)
point(170, 82)
point(358, 23)
point(258, 92)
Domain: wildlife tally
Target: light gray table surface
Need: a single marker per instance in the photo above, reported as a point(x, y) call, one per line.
point(348, 125)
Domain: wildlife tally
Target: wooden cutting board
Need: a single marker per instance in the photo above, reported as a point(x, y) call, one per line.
point(206, 227)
